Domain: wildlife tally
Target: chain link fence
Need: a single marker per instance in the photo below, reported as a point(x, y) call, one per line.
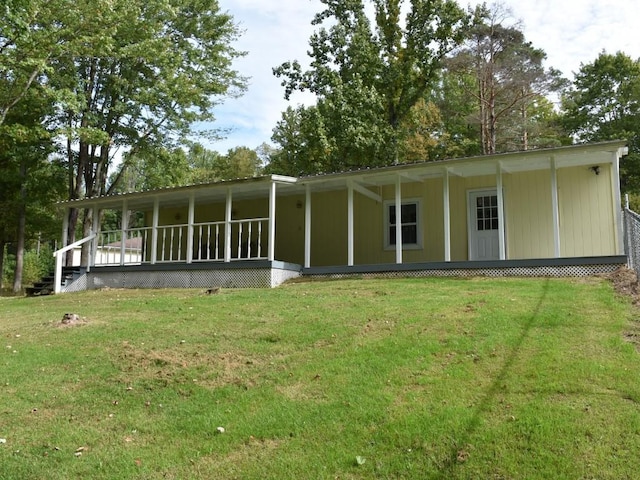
point(632, 239)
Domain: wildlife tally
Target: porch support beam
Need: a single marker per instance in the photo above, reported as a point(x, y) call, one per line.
point(190, 217)
point(65, 228)
point(350, 222)
point(307, 227)
point(123, 234)
point(366, 192)
point(154, 230)
point(95, 227)
point(227, 226)
point(617, 206)
point(501, 226)
point(272, 222)
point(447, 216)
point(555, 212)
point(398, 219)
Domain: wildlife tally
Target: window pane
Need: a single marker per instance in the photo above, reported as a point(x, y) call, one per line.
point(409, 234)
point(392, 214)
point(409, 213)
point(480, 225)
point(494, 224)
point(478, 201)
point(392, 235)
point(487, 224)
point(494, 201)
point(480, 212)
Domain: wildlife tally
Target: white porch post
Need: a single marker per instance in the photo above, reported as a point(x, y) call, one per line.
point(227, 226)
point(307, 227)
point(65, 228)
point(94, 243)
point(123, 233)
point(501, 226)
point(190, 217)
point(447, 216)
point(398, 219)
point(272, 221)
point(350, 223)
point(555, 210)
point(154, 230)
point(617, 206)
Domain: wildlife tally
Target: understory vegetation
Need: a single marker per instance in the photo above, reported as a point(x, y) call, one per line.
point(350, 379)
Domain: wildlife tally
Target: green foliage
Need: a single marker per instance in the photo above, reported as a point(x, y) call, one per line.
point(388, 378)
point(604, 104)
point(367, 76)
point(37, 264)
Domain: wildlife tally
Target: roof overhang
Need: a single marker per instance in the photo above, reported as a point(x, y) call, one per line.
point(258, 187)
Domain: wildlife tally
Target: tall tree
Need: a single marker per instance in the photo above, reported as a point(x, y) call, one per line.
point(146, 71)
point(510, 80)
point(604, 104)
point(369, 73)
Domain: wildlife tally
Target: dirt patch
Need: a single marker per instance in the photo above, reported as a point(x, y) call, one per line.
point(71, 320)
point(625, 282)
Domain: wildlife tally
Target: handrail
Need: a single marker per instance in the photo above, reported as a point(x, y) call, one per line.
point(57, 285)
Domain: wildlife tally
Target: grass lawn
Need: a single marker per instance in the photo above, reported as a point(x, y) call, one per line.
point(353, 379)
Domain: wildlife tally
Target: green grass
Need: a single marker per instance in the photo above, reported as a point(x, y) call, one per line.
point(358, 379)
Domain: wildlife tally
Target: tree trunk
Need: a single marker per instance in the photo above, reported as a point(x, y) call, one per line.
point(22, 221)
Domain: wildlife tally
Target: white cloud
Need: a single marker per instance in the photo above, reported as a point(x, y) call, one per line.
point(571, 32)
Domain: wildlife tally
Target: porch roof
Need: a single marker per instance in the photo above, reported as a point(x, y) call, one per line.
point(258, 187)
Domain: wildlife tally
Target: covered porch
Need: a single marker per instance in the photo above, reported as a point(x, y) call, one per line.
point(506, 214)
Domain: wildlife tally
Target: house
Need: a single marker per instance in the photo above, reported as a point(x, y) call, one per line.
point(540, 212)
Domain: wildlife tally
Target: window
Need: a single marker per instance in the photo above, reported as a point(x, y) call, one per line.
point(487, 212)
point(409, 222)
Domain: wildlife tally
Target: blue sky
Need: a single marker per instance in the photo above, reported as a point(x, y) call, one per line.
point(571, 32)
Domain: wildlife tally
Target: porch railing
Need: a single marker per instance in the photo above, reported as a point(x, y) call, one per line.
point(246, 240)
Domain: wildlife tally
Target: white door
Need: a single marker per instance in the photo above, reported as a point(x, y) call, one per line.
point(484, 242)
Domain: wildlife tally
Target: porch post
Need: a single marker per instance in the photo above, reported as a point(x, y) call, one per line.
point(272, 221)
point(65, 228)
point(398, 219)
point(617, 206)
point(350, 223)
point(123, 232)
point(190, 217)
point(227, 226)
point(94, 243)
point(501, 229)
point(154, 230)
point(447, 217)
point(554, 208)
point(307, 227)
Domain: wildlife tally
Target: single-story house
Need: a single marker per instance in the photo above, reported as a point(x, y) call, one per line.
point(551, 211)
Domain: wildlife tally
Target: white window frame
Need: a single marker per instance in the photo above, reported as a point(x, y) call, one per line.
point(405, 246)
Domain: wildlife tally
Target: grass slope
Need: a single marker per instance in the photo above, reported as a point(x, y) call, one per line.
point(358, 379)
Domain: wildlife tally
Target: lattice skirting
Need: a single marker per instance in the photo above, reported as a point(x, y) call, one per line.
point(529, 271)
point(228, 278)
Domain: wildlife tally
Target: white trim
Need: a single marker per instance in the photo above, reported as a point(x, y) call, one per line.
point(366, 192)
point(419, 224)
point(350, 234)
point(154, 230)
point(190, 219)
point(227, 225)
point(447, 216)
point(501, 226)
point(307, 227)
point(555, 209)
point(123, 234)
point(617, 206)
point(272, 222)
point(398, 205)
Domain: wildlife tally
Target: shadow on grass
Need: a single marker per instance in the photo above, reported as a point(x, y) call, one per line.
point(452, 461)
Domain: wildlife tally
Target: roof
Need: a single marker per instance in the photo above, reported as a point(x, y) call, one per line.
point(258, 187)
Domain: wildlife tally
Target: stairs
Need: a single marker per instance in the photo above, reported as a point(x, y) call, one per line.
point(46, 284)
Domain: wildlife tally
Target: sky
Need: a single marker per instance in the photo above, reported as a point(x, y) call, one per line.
point(571, 32)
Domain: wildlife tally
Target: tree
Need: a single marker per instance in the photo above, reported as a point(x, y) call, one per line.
point(144, 73)
point(367, 77)
point(510, 81)
point(604, 104)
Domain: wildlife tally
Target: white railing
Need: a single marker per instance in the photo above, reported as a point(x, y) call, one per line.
point(247, 241)
point(112, 250)
point(57, 286)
